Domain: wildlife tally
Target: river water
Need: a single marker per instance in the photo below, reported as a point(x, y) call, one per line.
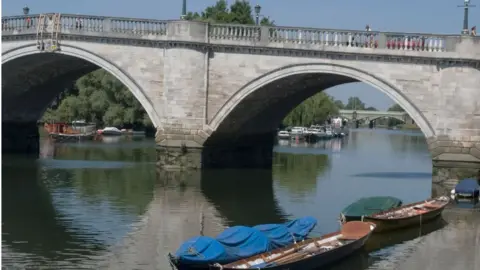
point(103, 205)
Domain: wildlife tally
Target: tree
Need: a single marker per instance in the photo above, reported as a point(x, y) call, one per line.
point(339, 104)
point(100, 98)
point(371, 109)
point(396, 108)
point(315, 109)
point(240, 12)
point(354, 103)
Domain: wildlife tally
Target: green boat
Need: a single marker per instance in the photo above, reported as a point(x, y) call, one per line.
point(368, 206)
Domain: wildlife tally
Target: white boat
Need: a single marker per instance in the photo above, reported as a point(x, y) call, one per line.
point(283, 135)
point(315, 133)
point(298, 133)
point(110, 131)
point(329, 131)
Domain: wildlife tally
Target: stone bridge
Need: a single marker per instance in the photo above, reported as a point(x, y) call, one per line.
point(372, 115)
point(216, 93)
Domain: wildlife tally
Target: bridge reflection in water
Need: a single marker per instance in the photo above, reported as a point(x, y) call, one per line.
point(120, 215)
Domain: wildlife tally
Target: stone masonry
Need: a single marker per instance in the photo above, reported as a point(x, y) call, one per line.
point(216, 93)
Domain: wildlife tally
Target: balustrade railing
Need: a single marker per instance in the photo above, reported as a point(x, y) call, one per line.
point(243, 33)
point(100, 24)
point(235, 32)
point(416, 42)
point(362, 39)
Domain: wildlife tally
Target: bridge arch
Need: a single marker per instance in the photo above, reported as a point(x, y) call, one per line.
point(91, 62)
point(342, 74)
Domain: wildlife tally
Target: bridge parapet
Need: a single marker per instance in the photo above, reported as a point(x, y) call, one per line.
point(354, 41)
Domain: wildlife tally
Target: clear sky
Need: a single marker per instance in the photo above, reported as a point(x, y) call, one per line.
point(423, 16)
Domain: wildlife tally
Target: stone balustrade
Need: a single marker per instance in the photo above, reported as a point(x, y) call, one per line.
point(241, 34)
point(99, 24)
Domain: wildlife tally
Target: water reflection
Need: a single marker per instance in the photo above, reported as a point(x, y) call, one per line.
point(242, 197)
point(104, 205)
point(32, 228)
point(298, 172)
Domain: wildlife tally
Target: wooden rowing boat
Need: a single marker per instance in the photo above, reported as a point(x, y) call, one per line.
point(408, 215)
point(309, 254)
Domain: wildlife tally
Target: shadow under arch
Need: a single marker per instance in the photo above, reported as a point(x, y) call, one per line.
point(309, 79)
point(30, 223)
point(243, 197)
point(17, 60)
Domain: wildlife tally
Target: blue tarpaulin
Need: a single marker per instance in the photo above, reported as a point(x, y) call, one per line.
point(301, 227)
point(278, 234)
point(241, 242)
point(467, 186)
point(281, 235)
point(232, 244)
point(200, 250)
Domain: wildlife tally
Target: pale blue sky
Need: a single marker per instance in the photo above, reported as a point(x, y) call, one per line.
point(425, 16)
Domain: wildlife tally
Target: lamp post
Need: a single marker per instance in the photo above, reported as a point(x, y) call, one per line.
point(184, 10)
point(466, 5)
point(26, 10)
point(257, 13)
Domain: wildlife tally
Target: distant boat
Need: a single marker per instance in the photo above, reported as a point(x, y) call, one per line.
point(110, 131)
point(78, 130)
point(283, 135)
point(408, 215)
point(368, 206)
point(466, 188)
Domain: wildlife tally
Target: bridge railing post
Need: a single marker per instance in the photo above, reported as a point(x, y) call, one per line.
point(382, 41)
point(107, 25)
point(264, 35)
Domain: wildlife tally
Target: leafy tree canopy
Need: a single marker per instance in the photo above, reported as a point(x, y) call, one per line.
point(396, 108)
point(240, 12)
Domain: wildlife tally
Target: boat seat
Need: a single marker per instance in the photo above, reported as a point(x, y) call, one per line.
point(354, 230)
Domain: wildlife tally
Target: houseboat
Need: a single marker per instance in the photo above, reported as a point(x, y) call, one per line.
point(76, 131)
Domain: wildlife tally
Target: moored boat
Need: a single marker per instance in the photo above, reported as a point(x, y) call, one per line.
point(309, 254)
point(110, 131)
point(283, 135)
point(467, 188)
point(76, 131)
point(408, 215)
point(239, 242)
point(368, 206)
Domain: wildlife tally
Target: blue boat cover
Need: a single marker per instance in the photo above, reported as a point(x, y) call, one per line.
point(241, 242)
point(200, 250)
point(301, 227)
point(232, 244)
point(468, 186)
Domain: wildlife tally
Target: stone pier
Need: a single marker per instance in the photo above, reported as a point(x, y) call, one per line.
point(20, 138)
point(220, 151)
point(454, 159)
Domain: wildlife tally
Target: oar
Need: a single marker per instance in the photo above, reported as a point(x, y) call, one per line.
point(273, 260)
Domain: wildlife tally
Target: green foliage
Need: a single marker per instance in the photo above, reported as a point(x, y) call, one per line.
point(240, 12)
point(315, 109)
point(354, 103)
point(339, 104)
point(100, 98)
point(371, 109)
point(396, 108)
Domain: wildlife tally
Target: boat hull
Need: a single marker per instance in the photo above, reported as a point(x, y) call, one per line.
point(61, 137)
point(320, 260)
point(384, 224)
point(111, 133)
